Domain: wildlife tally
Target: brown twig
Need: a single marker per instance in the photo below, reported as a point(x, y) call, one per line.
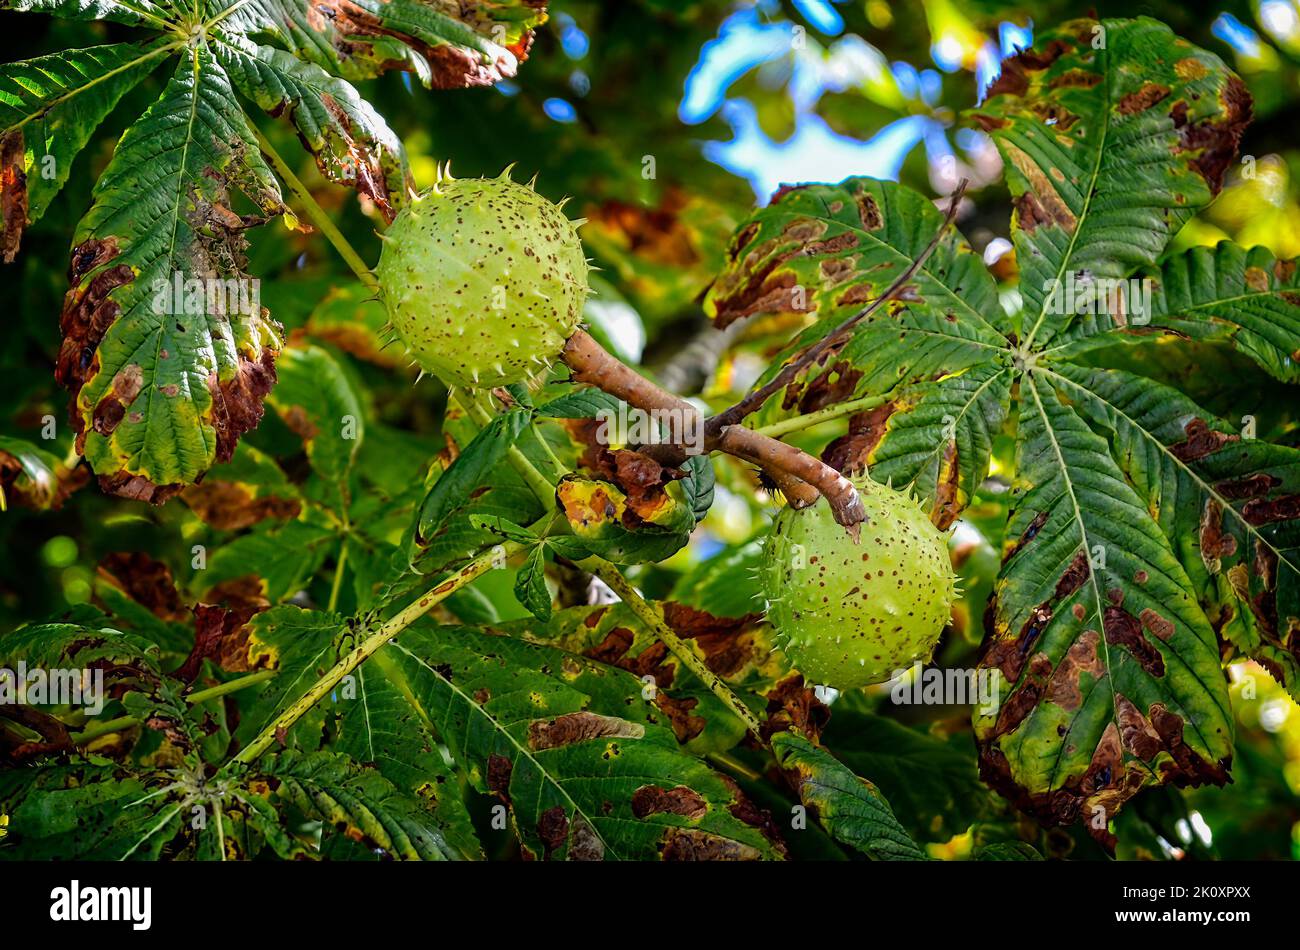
point(798, 474)
point(755, 399)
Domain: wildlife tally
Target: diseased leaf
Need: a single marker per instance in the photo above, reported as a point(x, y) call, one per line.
point(831, 250)
point(1232, 504)
point(89, 814)
point(584, 763)
point(737, 648)
point(604, 521)
point(446, 46)
point(1105, 611)
point(849, 807)
point(1110, 675)
point(936, 439)
point(1114, 134)
point(356, 802)
point(166, 349)
point(352, 144)
point(245, 491)
point(368, 716)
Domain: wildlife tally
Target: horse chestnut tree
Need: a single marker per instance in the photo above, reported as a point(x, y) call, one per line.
point(357, 552)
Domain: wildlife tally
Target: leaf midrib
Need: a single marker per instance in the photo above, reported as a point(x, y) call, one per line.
point(522, 750)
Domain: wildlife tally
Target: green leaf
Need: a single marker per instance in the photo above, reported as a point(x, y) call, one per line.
point(369, 715)
point(1246, 298)
point(530, 584)
point(934, 788)
point(49, 108)
point(585, 403)
point(1140, 128)
point(584, 764)
point(283, 557)
point(1007, 851)
point(136, 13)
point(125, 661)
point(849, 807)
point(504, 528)
point(301, 646)
point(160, 395)
point(697, 485)
point(1231, 504)
point(725, 585)
point(357, 802)
point(318, 402)
point(1110, 670)
point(937, 438)
point(351, 142)
point(476, 45)
point(89, 814)
point(470, 469)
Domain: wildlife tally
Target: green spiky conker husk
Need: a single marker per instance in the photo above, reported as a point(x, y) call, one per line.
point(484, 280)
point(850, 614)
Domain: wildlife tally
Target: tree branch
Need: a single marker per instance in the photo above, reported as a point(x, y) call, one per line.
point(787, 465)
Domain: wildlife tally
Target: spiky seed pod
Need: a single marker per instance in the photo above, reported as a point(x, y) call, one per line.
point(850, 614)
point(484, 280)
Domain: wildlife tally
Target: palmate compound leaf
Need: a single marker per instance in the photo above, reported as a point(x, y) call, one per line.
point(1103, 622)
point(585, 763)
